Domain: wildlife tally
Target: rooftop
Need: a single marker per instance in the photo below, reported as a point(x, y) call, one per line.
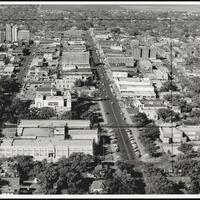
point(46, 141)
point(53, 123)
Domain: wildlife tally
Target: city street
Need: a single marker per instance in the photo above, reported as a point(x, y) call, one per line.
point(113, 111)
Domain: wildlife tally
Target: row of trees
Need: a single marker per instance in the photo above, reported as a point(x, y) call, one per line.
point(64, 176)
point(148, 136)
point(168, 115)
point(88, 82)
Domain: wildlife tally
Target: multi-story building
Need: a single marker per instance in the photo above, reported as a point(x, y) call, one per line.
point(14, 33)
point(58, 103)
point(8, 33)
point(50, 148)
point(24, 35)
point(2, 36)
point(50, 139)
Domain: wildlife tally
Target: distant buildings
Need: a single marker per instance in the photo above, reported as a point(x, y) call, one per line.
point(14, 33)
point(24, 35)
point(2, 36)
point(8, 33)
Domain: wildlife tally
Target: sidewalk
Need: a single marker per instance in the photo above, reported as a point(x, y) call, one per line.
point(105, 121)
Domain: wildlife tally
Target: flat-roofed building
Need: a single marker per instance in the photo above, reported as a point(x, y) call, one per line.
point(135, 88)
point(24, 35)
point(151, 107)
point(58, 103)
point(50, 148)
point(75, 58)
point(72, 124)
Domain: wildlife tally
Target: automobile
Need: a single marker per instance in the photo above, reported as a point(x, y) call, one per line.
point(113, 142)
point(112, 102)
point(107, 113)
point(133, 142)
point(124, 118)
point(134, 145)
point(137, 153)
point(132, 139)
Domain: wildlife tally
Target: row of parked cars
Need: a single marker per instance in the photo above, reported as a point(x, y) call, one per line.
point(113, 141)
point(133, 142)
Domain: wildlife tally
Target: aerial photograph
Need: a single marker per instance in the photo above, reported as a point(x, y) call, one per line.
point(99, 99)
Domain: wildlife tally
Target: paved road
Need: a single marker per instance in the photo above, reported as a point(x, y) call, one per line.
point(114, 115)
point(24, 68)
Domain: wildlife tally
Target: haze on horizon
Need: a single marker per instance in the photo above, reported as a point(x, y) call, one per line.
point(158, 7)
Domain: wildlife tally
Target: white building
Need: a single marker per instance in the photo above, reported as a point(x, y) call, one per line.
point(50, 148)
point(24, 35)
point(150, 107)
point(8, 33)
point(58, 103)
point(14, 33)
point(135, 88)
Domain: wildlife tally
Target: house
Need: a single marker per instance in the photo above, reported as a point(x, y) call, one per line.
point(97, 187)
point(150, 107)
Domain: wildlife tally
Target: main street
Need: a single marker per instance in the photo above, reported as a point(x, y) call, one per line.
point(113, 111)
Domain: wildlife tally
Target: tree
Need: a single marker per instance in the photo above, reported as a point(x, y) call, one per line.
point(116, 30)
point(26, 52)
point(157, 182)
point(124, 182)
point(141, 120)
point(185, 148)
point(6, 60)
point(48, 179)
point(67, 115)
point(46, 113)
point(167, 86)
point(78, 83)
point(167, 114)
point(24, 166)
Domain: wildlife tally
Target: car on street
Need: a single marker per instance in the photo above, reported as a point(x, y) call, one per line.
point(107, 113)
point(112, 102)
point(124, 118)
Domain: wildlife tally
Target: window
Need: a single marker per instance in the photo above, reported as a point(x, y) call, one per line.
point(53, 103)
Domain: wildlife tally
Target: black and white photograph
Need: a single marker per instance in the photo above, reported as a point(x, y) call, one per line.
point(99, 99)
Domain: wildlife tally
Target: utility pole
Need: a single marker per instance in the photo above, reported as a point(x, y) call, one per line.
point(171, 79)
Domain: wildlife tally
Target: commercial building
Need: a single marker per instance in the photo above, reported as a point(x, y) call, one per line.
point(135, 88)
point(24, 35)
point(75, 58)
point(120, 59)
point(180, 134)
